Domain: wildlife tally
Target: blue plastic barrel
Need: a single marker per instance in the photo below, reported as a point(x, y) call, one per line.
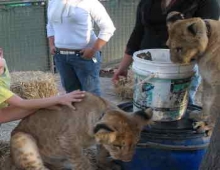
point(168, 146)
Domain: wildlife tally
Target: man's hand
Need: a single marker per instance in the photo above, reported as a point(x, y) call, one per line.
point(88, 53)
point(52, 50)
point(117, 74)
point(52, 45)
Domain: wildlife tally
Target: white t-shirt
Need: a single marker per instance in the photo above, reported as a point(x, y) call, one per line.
point(75, 28)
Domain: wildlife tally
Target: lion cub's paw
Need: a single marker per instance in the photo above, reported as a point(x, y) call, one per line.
point(202, 127)
point(201, 123)
point(197, 125)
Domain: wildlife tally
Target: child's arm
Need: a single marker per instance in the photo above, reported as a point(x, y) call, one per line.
point(20, 108)
point(66, 99)
point(12, 113)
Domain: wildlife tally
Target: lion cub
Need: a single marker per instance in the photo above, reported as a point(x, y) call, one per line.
point(197, 39)
point(55, 139)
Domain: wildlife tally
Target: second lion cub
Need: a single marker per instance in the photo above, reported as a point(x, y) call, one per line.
point(197, 39)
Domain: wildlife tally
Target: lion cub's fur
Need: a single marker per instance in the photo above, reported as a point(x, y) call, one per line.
point(197, 39)
point(56, 139)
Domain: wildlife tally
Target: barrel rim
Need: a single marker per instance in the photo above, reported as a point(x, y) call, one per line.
point(172, 147)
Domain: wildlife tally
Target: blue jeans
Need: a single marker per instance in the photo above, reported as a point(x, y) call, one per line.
point(196, 79)
point(79, 73)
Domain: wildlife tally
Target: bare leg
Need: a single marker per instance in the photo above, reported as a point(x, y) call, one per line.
point(25, 152)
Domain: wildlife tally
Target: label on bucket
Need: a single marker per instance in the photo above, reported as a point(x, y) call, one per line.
point(168, 98)
point(178, 90)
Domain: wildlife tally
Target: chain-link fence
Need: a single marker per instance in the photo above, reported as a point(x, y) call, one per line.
point(123, 14)
point(23, 32)
point(23, 36)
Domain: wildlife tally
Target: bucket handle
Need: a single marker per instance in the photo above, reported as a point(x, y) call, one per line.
point(150, 76)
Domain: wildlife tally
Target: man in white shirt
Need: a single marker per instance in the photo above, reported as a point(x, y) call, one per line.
point(73, 43)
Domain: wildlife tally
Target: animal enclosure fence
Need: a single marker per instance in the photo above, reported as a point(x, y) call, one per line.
point(23, 32)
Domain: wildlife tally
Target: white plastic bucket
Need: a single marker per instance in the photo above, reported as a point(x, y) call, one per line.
point(161, 85)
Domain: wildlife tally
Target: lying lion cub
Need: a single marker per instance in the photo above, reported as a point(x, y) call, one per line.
point(55, 139)
point(197, 39)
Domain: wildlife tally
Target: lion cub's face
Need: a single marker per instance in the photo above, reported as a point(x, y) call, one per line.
point(119, 133)
point(187, 40)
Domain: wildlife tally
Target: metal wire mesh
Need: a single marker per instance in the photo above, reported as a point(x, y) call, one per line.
point(23, 33)
point(23, 36)
point(123, 13)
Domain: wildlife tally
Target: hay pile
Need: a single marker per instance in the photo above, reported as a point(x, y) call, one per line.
point(5, 160)
point(33, 84)
point(4, 150)
point(124, 87)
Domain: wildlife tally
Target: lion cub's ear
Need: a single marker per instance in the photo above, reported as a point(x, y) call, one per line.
point(194, 28)
point(143, 117)
point(172, 17)
point(104, 134)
